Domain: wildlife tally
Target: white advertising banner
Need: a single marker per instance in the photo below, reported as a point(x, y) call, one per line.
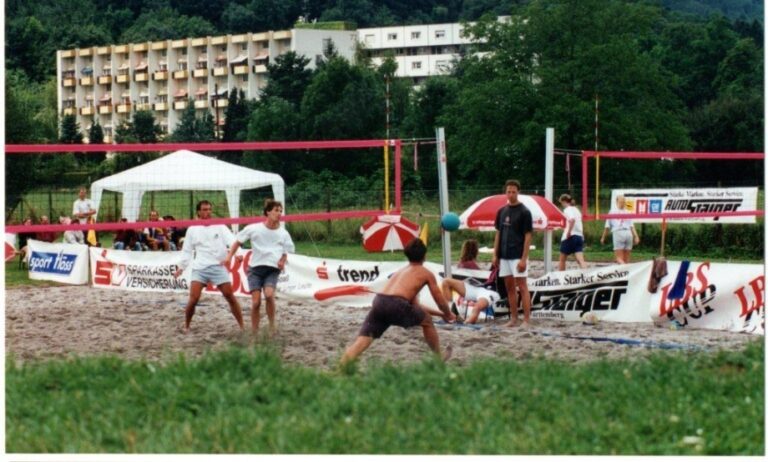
point(720, 296)
point(615, 293)
point(717, 295)
point(323, 280)
point(690, 201)
point(59, 262)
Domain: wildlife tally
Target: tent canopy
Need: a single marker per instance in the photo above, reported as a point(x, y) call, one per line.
point(185, 171)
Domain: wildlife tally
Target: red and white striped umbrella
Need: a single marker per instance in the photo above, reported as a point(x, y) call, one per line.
point(10, 246)
point(482, 213)
point(388, 232)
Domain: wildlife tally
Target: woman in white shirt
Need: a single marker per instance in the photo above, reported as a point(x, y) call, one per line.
point(572, 242)
point(624, 233)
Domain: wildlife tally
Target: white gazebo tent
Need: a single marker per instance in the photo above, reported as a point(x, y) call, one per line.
point(184, 171)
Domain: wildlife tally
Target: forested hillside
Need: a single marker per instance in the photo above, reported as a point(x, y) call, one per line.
point(669, 75)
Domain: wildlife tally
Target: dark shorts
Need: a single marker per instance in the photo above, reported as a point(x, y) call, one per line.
point(390, 310)
point(262, 276)
point(572, 245)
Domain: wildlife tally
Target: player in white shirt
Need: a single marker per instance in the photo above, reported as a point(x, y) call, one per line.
point(624, 233)
point(270, 245)
point(83, 208)
point(206, 247)
point(572, 242)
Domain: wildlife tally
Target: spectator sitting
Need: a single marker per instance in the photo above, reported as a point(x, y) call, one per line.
point(126, 239)
point(45, 236)
point(468, 259)
point(70, 236)
point(23, 238)
point(176, 235)
point(157, 238)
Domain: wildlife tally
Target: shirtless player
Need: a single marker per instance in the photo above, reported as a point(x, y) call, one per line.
point(398, 305)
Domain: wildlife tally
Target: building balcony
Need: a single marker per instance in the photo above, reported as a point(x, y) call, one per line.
point(140, 77)
point(69, 111)
point(107, 139)
point(198, 42)
point(140, 47)
point(222, 102)
point(178, 105)
point(181, 74)
point(87, 110)
point(105, 109)
point(219, 40)
point(200, 73)
point(143, 107)
point(238, 70)
point(105, 79)
point(69, 82)
point(160, 75)
point(218, 71)
point(122, 78)
point(260, 68)
point(201, 104)
point(68, 54)
point(123, 108)
point(86, 81)
point(161, 106)
point(282, 35)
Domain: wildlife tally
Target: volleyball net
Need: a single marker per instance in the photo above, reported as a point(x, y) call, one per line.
point(173, 183)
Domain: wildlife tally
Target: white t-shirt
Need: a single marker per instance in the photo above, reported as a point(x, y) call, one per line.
point(268, 245)
point(82, 206)
point(572, 213)
point(206, 245)
point(616, 224)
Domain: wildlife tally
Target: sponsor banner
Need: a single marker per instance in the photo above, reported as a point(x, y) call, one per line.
point(59, 262)
point(720, 296)
point(10, 246)
point(615, 293)
point(658, 201)
point(351, 283)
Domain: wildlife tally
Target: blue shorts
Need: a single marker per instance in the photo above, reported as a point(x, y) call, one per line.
point(262, 276)
point(572, 245)
point(215, 274)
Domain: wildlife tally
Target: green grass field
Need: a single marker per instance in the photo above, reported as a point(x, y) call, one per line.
point(247, 401)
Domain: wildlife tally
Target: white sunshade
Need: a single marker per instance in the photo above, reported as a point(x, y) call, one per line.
point(183, 171)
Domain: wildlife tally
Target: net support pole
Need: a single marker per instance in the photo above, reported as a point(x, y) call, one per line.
point(584, 187)
point(386, 175)
point(398, 175)
point(442, 179)
point(549, 172)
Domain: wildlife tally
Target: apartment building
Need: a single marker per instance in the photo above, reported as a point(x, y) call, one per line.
point(109, 83)
point(420, 51)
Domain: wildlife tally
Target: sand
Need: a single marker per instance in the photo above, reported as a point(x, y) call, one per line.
point(61, 321)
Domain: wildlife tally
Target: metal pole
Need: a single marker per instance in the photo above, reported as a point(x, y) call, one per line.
point(442, 178)
point(549, 173)
point(216, 108)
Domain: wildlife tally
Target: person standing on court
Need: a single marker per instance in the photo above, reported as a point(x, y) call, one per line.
point(572, 242)
point(270, 246)
point(624, 233)
point(206, 247)
point(514, 230)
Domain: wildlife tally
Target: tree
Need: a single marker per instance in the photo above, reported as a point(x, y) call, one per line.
point(193, 128)
point(287, 78)
point(144, 127)
point(166, 23)
point(70, 130)
point(236, 117)
point(275, 119)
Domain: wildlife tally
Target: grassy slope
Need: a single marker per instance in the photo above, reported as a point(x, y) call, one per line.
point(247, 401)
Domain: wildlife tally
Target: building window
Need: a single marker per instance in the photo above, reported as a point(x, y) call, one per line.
point(244, 78)
point(370, 39)
point(415, 35)
point(443, 66)
point(416, 65)
point(439, 34)
point(392, 36)
point(244, 46)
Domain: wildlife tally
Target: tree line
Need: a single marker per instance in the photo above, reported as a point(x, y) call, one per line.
point(662, 81)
